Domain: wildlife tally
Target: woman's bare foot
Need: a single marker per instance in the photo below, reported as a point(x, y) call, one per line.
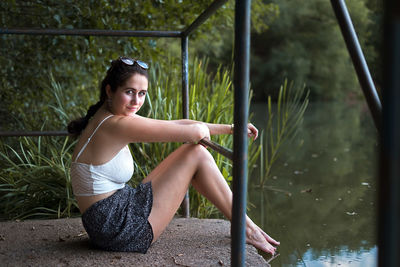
point(259, 239)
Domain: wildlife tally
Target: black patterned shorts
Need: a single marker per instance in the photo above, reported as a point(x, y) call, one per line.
point(120, 222)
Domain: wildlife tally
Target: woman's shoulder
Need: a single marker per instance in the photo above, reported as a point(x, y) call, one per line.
point(105, 118)
point(116, 124)
point(128, 120)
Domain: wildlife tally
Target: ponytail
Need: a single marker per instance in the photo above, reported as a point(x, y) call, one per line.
point(75, 127)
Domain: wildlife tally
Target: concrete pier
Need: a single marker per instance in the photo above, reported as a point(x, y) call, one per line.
point(64, 242)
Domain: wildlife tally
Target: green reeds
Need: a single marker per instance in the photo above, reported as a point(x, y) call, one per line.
point(282, 125)
point(35, 180)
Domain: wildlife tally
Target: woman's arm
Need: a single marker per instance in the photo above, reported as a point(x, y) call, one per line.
point(216, 129)
point(136, 128)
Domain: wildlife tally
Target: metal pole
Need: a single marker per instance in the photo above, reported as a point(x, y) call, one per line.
point(204, 16)
point(241, 84)
point(90, 32)
point(185, 104)
point(360, 65)
point(389, 180)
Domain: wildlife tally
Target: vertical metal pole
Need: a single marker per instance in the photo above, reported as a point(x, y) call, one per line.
point(357, 56)
point(241, 84)
point(185, 105)
point(389, 180)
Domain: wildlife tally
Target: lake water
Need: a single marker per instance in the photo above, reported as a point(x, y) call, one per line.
point(320, 201)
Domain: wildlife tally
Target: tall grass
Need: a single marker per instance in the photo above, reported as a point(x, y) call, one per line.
point(282, 126)
point(35, 180)
point(34, 175)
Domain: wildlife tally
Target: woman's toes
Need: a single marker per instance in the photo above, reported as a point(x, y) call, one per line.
point(269, 239)
point(271, 249)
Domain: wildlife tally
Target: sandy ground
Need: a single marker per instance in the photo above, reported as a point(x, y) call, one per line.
point(63, 242)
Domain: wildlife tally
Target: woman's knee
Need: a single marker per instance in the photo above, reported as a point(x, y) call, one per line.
point(199, 152)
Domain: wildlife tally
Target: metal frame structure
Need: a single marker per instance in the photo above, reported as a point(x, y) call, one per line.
point(387, 126)
point(183, 35)
point(242, 37)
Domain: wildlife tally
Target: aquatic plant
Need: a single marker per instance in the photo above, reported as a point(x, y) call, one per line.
point(282, 125)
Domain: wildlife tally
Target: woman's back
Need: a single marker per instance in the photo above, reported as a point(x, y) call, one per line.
point(104, 143)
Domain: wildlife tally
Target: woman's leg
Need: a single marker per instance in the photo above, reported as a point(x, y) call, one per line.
point(171, 179)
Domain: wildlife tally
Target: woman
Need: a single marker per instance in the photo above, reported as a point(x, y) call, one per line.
point(116, 216)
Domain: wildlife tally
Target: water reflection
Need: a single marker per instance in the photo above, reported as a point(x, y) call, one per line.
point(327, 215)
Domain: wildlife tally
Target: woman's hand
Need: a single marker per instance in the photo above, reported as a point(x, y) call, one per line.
point(202, 132)
point(252, 131)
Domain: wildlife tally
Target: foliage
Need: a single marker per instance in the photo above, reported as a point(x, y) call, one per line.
point(77, 62)
point(303, 43)
point(35, 180)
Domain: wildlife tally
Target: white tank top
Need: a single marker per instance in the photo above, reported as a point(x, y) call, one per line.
point(90, 180)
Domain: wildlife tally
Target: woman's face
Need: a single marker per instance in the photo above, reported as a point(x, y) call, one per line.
point(129, 98)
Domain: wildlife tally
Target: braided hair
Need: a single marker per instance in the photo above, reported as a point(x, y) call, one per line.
point(117, 75)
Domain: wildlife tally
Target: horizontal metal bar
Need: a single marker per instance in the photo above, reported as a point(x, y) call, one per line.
point(33, 133)
point(204, 16)
point(91, 32)
point(218, 148)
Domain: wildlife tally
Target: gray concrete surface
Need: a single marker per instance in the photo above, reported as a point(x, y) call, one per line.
point(63, 242)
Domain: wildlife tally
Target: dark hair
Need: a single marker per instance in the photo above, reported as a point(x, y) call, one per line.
point(118, 73)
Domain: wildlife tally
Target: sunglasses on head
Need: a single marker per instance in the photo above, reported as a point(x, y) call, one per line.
point(130, 61)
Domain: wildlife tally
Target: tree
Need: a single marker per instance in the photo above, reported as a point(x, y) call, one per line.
point(305, 45)
point(78, 63)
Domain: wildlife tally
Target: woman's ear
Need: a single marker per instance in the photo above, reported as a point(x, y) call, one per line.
point(108, 91)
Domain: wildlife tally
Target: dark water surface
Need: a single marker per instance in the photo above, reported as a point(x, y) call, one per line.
point(321, 198)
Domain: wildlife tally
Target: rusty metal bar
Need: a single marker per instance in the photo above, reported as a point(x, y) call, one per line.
point(241, 112)
point(91, 32)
